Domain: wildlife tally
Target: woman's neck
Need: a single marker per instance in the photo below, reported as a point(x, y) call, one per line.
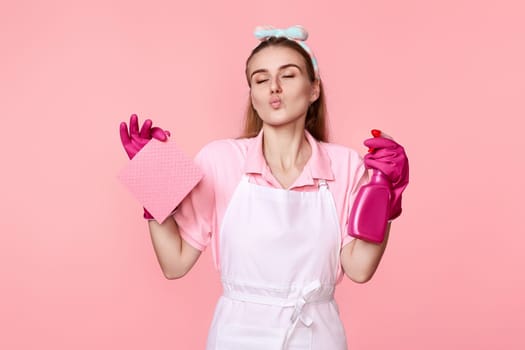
point(286, 151)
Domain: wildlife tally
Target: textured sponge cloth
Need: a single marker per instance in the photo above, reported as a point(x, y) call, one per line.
point(160, 176)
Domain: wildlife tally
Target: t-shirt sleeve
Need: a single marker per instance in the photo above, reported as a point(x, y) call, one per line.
point(358, 176)
point(195, 213)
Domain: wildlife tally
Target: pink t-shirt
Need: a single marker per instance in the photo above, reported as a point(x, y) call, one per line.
point(224, 162)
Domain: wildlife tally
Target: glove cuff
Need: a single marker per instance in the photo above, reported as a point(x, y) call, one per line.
point(147, 215)
point(395, 215)
point(395, 209)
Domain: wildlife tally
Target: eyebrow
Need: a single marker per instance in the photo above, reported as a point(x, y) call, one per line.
point(262, 70)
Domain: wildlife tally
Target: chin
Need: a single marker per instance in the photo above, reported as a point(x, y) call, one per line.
point(278, 119)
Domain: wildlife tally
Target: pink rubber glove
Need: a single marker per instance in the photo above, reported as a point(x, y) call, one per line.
point(135, 139)
point(390, 158)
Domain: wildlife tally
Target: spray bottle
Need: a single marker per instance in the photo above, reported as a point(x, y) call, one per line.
point(369, 214)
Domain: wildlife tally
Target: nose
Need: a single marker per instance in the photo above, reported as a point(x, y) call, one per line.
point(275, 85)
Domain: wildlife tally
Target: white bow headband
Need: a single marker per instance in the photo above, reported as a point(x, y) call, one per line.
point(296, 33)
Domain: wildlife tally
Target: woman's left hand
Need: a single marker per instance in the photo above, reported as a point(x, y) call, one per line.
point(390, 158)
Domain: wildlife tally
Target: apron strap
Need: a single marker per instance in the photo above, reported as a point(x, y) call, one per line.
point(245, 178)
point(322, 184)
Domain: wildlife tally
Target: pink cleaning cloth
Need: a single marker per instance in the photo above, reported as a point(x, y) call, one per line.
point(160, 175)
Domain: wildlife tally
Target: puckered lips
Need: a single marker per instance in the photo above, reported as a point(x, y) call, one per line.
point(275, 102)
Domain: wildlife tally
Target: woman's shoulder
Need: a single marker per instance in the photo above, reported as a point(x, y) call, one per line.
point(225, 150)
point(338, 152)
point(346, 163)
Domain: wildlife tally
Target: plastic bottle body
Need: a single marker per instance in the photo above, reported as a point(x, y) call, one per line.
point(369, 215)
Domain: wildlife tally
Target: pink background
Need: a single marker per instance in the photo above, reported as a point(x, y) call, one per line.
point(445, 78)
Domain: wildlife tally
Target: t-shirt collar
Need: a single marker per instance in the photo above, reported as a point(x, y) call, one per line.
point(317, 167)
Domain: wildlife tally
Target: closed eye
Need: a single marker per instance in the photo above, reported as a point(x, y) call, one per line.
point(261, 81)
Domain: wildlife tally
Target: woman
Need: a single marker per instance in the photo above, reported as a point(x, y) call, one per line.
point(274, 206)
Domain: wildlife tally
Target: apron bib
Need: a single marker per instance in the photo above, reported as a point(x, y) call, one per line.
point(279, 257)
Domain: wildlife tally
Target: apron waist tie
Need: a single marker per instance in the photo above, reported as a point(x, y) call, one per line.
point(308, 295)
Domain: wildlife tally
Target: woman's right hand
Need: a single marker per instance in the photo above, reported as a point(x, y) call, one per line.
point(134, 140)
point(390, 158)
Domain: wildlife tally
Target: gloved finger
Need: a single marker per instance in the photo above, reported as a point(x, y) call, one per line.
point(398, 161)
point(145, 130)
point(381, 153)
point(159, 134)
point(124, 136)
point(397, 164)
point(380, 142)
point(133, 126)
point(386, 167)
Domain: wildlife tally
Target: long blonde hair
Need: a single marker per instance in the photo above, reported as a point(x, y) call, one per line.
point(315, 117)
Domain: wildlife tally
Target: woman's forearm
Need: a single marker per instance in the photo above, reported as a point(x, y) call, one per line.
point(175, 256)
point(360, 259)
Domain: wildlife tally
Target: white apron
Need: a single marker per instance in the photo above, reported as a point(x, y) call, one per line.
point(279, 258)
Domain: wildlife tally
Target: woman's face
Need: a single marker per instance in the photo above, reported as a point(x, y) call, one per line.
point(281, 91)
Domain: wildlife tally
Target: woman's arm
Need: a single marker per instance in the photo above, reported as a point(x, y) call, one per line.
point(176, 257)
point(360, 259)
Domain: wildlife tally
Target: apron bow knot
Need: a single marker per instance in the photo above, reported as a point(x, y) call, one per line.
point(297, 315)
